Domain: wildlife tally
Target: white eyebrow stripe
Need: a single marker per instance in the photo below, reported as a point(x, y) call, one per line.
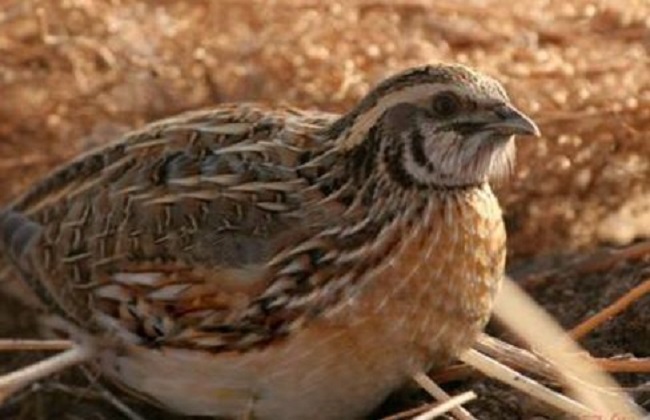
point(366, 120)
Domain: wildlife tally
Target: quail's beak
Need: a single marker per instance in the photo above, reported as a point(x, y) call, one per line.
point(508, 120)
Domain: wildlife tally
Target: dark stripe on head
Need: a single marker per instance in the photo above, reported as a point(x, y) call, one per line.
point(428, 74)
point(417, 148)
point(347, 129)
point(419, 75)
point(415, 76)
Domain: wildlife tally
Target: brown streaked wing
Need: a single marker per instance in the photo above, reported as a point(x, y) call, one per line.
point(213, 189)
point(179, 305)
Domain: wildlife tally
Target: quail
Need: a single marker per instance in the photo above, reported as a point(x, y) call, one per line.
point(284, 263)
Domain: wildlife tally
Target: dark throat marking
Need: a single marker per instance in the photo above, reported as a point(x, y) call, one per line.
point(417, 150)
point(394, 160)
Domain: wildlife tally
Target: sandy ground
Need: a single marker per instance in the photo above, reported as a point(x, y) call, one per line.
point(75, 74)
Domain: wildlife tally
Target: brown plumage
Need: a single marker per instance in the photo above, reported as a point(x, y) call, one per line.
point(294, 264)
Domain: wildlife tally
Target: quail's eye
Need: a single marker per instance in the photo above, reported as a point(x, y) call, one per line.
point(446, 104)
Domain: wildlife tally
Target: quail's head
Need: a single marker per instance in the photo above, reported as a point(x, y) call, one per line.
point(439, 126)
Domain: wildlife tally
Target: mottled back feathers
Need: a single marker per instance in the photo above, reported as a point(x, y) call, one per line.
point(230, 228)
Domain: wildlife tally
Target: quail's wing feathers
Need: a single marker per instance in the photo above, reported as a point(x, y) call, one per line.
point(168, 233)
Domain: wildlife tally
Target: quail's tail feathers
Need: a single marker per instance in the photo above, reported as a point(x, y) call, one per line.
point(17, 234)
